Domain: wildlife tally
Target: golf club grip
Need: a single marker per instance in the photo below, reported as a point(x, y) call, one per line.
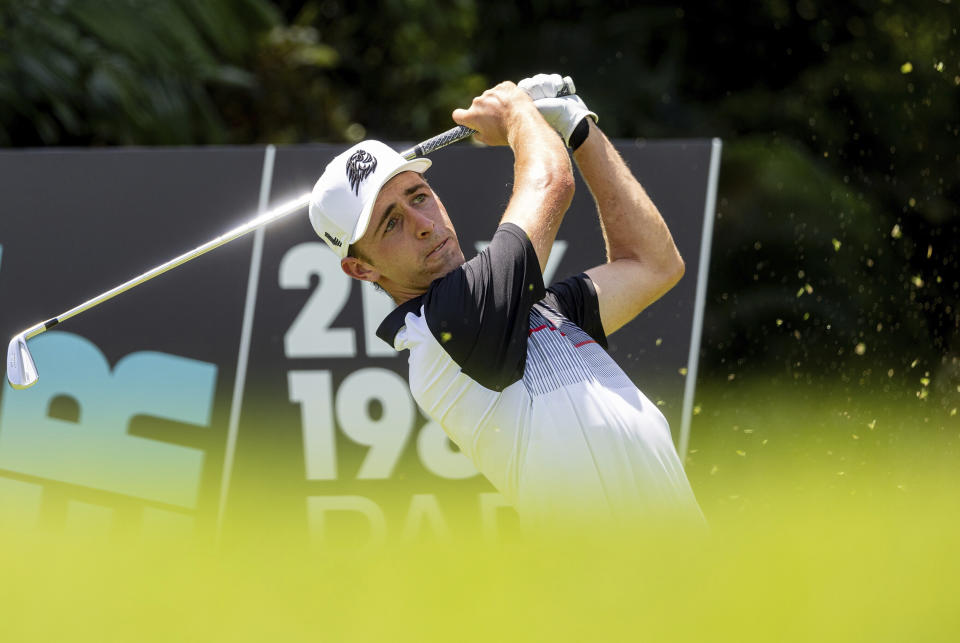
point(452, 135)
point(461, 132)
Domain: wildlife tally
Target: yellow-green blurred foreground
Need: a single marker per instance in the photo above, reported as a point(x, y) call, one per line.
point(834, 518)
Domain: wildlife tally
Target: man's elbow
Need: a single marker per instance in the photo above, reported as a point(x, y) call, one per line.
point(671, 272)
point(676, 270)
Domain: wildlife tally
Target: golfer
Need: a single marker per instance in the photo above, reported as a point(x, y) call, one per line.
point(517, 374)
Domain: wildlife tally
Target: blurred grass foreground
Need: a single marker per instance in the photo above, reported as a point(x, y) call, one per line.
point(833, 518)
point(830, 488)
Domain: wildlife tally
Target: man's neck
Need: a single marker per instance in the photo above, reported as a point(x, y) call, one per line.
point(401, 295)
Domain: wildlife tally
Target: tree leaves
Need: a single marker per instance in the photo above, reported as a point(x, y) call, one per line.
point(123, 72)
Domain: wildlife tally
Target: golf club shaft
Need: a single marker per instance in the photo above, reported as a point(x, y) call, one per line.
point(264, 219)
point(452, 135)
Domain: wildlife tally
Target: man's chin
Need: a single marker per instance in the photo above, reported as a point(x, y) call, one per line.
point(450, 263)
point(455, 260)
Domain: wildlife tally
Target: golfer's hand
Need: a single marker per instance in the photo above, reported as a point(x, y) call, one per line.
point(496, 113)
point(563, 113)
point(543, 86)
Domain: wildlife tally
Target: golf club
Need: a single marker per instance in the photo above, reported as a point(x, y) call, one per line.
point(21, 369)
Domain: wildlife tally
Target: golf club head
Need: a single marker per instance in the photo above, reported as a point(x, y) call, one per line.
point(21, 371)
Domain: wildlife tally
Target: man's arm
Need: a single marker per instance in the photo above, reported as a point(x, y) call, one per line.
point(643, 262)
point(543, 177)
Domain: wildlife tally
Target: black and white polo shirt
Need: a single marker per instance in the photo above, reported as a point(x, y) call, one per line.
point(519, 378)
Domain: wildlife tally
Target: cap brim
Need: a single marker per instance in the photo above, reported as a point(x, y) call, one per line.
point(416, 165)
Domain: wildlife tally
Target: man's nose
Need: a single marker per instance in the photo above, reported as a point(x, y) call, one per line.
point(423, 224)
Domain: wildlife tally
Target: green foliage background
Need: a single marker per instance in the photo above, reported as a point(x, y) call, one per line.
point(836, 246)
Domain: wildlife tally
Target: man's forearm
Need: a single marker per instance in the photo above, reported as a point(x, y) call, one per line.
point(632, 226)
point(543, 177)
point(543, 181)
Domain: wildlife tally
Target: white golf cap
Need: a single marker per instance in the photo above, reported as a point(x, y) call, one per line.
point(343, 197)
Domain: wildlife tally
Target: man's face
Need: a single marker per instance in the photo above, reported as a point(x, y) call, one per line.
point(410, 240)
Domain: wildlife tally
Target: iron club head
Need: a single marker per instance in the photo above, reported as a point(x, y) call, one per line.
point(21, 371)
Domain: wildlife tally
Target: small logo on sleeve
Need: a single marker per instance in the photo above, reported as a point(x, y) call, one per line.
point(359, 167)
point(333, 239)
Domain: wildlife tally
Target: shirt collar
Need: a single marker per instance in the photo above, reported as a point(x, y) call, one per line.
point(392, 323)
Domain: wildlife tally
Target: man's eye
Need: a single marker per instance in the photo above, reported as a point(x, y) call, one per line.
point(390, 224)
point(420, 198)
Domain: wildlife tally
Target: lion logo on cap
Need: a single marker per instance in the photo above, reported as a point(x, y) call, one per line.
point(361, 165)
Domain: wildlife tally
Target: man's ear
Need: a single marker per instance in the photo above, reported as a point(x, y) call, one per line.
point(358, 269)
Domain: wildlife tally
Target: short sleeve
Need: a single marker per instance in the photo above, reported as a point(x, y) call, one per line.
point(576, 299)
point(480, 312)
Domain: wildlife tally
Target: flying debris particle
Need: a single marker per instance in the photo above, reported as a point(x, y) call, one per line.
point(912, 202)
point(854, 436)
point(841, 473)
point(660, 402)
point(924, 383)
point(779, 322)
point(953, 411)
point(683, 371)
point(914, 363)
point(741, 453)
point(917, 281)
point(872, 424)
point(697, 409)
point(929, 251)
point(659, 341)
point(764, 443)
point(906, 67)
point(714, 469)
point(836, 245)
point(895, 233)
point(809, 289)
point(860, 348)
point(939, 66)
point(445, 337)
point(890, 373)
point(731, 377)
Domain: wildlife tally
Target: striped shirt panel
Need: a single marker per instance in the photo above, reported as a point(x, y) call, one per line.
point(560, 354)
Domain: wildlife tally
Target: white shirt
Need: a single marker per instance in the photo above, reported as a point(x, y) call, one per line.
point(519, 378)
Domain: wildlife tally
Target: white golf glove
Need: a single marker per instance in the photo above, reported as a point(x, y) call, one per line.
point(563, 113)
